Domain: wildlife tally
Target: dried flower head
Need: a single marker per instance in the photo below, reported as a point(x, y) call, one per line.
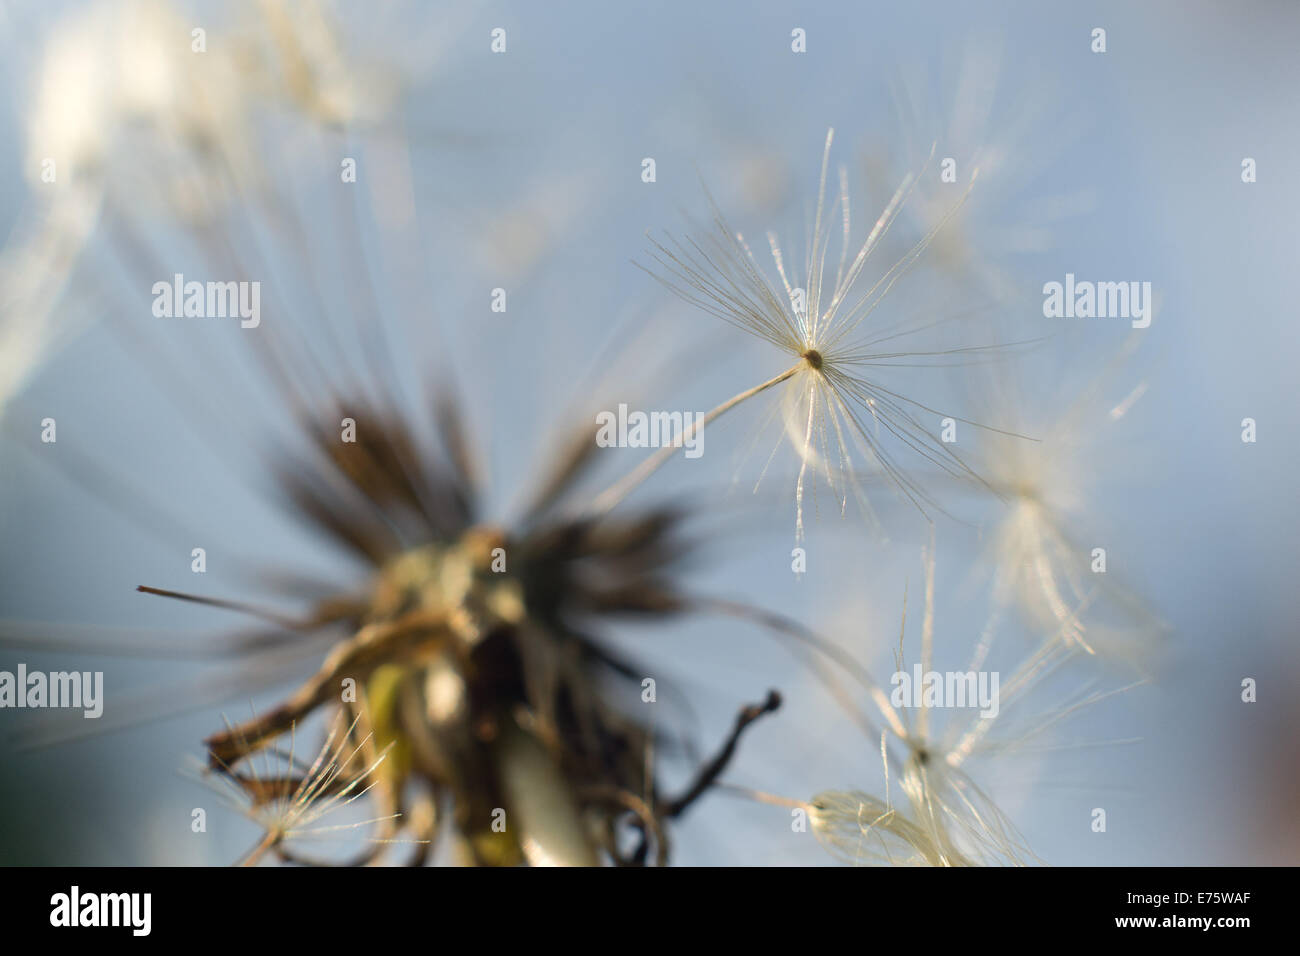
point(471, 651)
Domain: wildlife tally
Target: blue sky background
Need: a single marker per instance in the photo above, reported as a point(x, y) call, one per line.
point(525, 174)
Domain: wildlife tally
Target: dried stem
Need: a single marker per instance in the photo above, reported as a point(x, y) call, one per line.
point(616, 492)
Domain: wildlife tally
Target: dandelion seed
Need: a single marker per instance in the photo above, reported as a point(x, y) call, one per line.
point(1040, 551)
point(127, 120)
point(118, 92)
point(835, 405)
point(1012, 133)
point(947, 817)
point(861, 829)
point(290, 803)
